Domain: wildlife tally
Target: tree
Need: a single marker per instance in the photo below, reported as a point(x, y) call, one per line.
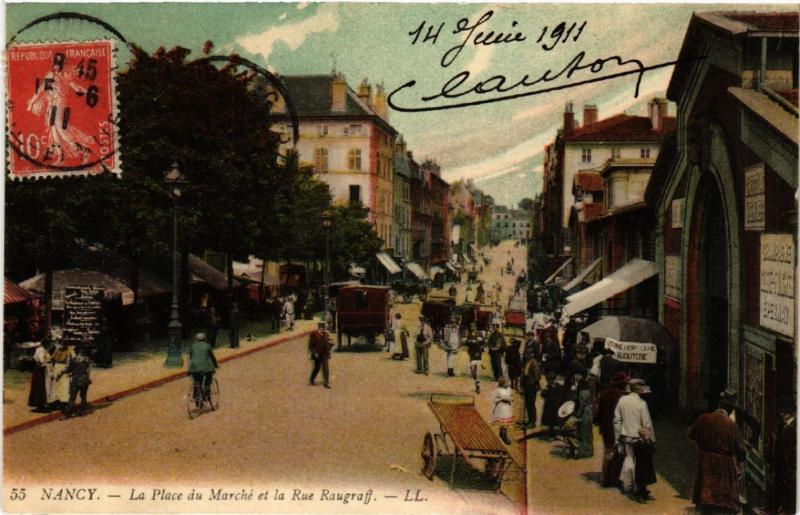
point(526, 204)
point(352, 239)
point(214, 125)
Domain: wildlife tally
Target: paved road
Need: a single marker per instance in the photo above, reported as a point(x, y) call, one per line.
point(273, 431)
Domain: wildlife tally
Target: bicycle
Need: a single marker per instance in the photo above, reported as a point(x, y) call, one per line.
point(194, 407)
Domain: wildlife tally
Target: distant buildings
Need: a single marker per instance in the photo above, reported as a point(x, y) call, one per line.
point(514, 224)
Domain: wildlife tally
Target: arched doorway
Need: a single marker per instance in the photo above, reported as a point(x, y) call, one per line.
point(707, 304)
point(713, 278)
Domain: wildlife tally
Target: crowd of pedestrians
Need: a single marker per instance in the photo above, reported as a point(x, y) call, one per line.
point(61, 374)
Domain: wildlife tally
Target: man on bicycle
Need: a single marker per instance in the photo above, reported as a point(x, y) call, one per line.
point(202, 364)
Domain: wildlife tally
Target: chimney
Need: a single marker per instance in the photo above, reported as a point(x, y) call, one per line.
point(338, 92)
point(657, 111)
point(589, 114)
point(569, 119)
point(380, 103)
point(365, 92)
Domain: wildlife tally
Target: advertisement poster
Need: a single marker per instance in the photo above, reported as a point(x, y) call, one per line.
point(334, 243)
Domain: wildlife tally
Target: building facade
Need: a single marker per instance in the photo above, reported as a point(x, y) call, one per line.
point(402, 201)
point(347, 139)
point(726, 224)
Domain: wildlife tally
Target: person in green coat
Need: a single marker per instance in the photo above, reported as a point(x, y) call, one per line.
point(202, 364)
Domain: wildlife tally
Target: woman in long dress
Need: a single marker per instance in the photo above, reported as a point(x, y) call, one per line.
point(59, 386)
point(40, 379)
point(502, 410)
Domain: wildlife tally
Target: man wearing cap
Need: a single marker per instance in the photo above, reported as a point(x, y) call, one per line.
point(720, 450)
point(630, 416)
point(319, 345)
point(202, 364)
point(785, 458)
point(604, 416)
point(422, 343)
point(497, 346)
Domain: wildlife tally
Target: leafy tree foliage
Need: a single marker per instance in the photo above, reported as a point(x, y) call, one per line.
point(352, 239)
point(526, 204)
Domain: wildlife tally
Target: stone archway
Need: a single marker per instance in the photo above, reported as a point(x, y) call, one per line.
point(712, 302)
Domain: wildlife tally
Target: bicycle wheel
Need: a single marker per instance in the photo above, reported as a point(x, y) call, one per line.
point(213, 396)
point(192, 408)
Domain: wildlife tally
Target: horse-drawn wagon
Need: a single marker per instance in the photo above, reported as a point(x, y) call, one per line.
point(361, 310)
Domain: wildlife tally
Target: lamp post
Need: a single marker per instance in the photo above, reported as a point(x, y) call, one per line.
point(326, 222)
point(173, 180)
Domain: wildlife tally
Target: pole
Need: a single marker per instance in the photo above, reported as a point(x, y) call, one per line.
point(174, 329)
point(327, 276)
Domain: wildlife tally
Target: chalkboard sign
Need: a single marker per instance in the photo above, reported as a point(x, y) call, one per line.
point(83, 307)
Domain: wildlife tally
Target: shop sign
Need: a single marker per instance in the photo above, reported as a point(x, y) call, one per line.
point(677, 213)
point(777, 283)
point(672, 277)
point(754, 198)
point(631, 352)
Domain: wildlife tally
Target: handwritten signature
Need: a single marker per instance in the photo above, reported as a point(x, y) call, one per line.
point(578, 71)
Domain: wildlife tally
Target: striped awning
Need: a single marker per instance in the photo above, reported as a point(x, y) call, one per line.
point(388, 263)
point(13, 293)
point(629, 275)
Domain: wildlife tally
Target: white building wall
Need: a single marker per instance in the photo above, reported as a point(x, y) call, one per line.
point(338, 176)
point(601, 152)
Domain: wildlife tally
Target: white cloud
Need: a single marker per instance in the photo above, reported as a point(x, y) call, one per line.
point(325, 19)
point(506, 162)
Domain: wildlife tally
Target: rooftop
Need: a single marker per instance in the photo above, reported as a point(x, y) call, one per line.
point(739, 22)
point(622, 127)
point(311, 96)
point(588, 181)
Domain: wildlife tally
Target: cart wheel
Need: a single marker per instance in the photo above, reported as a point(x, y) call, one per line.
point(492, 468)
point(428, 456)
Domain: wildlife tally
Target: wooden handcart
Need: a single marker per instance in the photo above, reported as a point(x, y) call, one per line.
point(470, 438)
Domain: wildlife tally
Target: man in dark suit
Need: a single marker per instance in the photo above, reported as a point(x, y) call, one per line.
point(319, 345)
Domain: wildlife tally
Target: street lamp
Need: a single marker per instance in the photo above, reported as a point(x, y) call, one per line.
point(173, 180)
point(326, 222)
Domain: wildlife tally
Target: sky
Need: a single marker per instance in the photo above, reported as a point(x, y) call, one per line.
point(498, 145)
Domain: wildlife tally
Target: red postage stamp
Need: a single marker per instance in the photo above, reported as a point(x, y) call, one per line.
point(62, 109)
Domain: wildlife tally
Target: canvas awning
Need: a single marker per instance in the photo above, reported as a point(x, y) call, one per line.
point(558, 270)
point(13, 293)
point(417, 270)
point(388, 263)
point(583, 274)
point(436, 270)
point(632, 273)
